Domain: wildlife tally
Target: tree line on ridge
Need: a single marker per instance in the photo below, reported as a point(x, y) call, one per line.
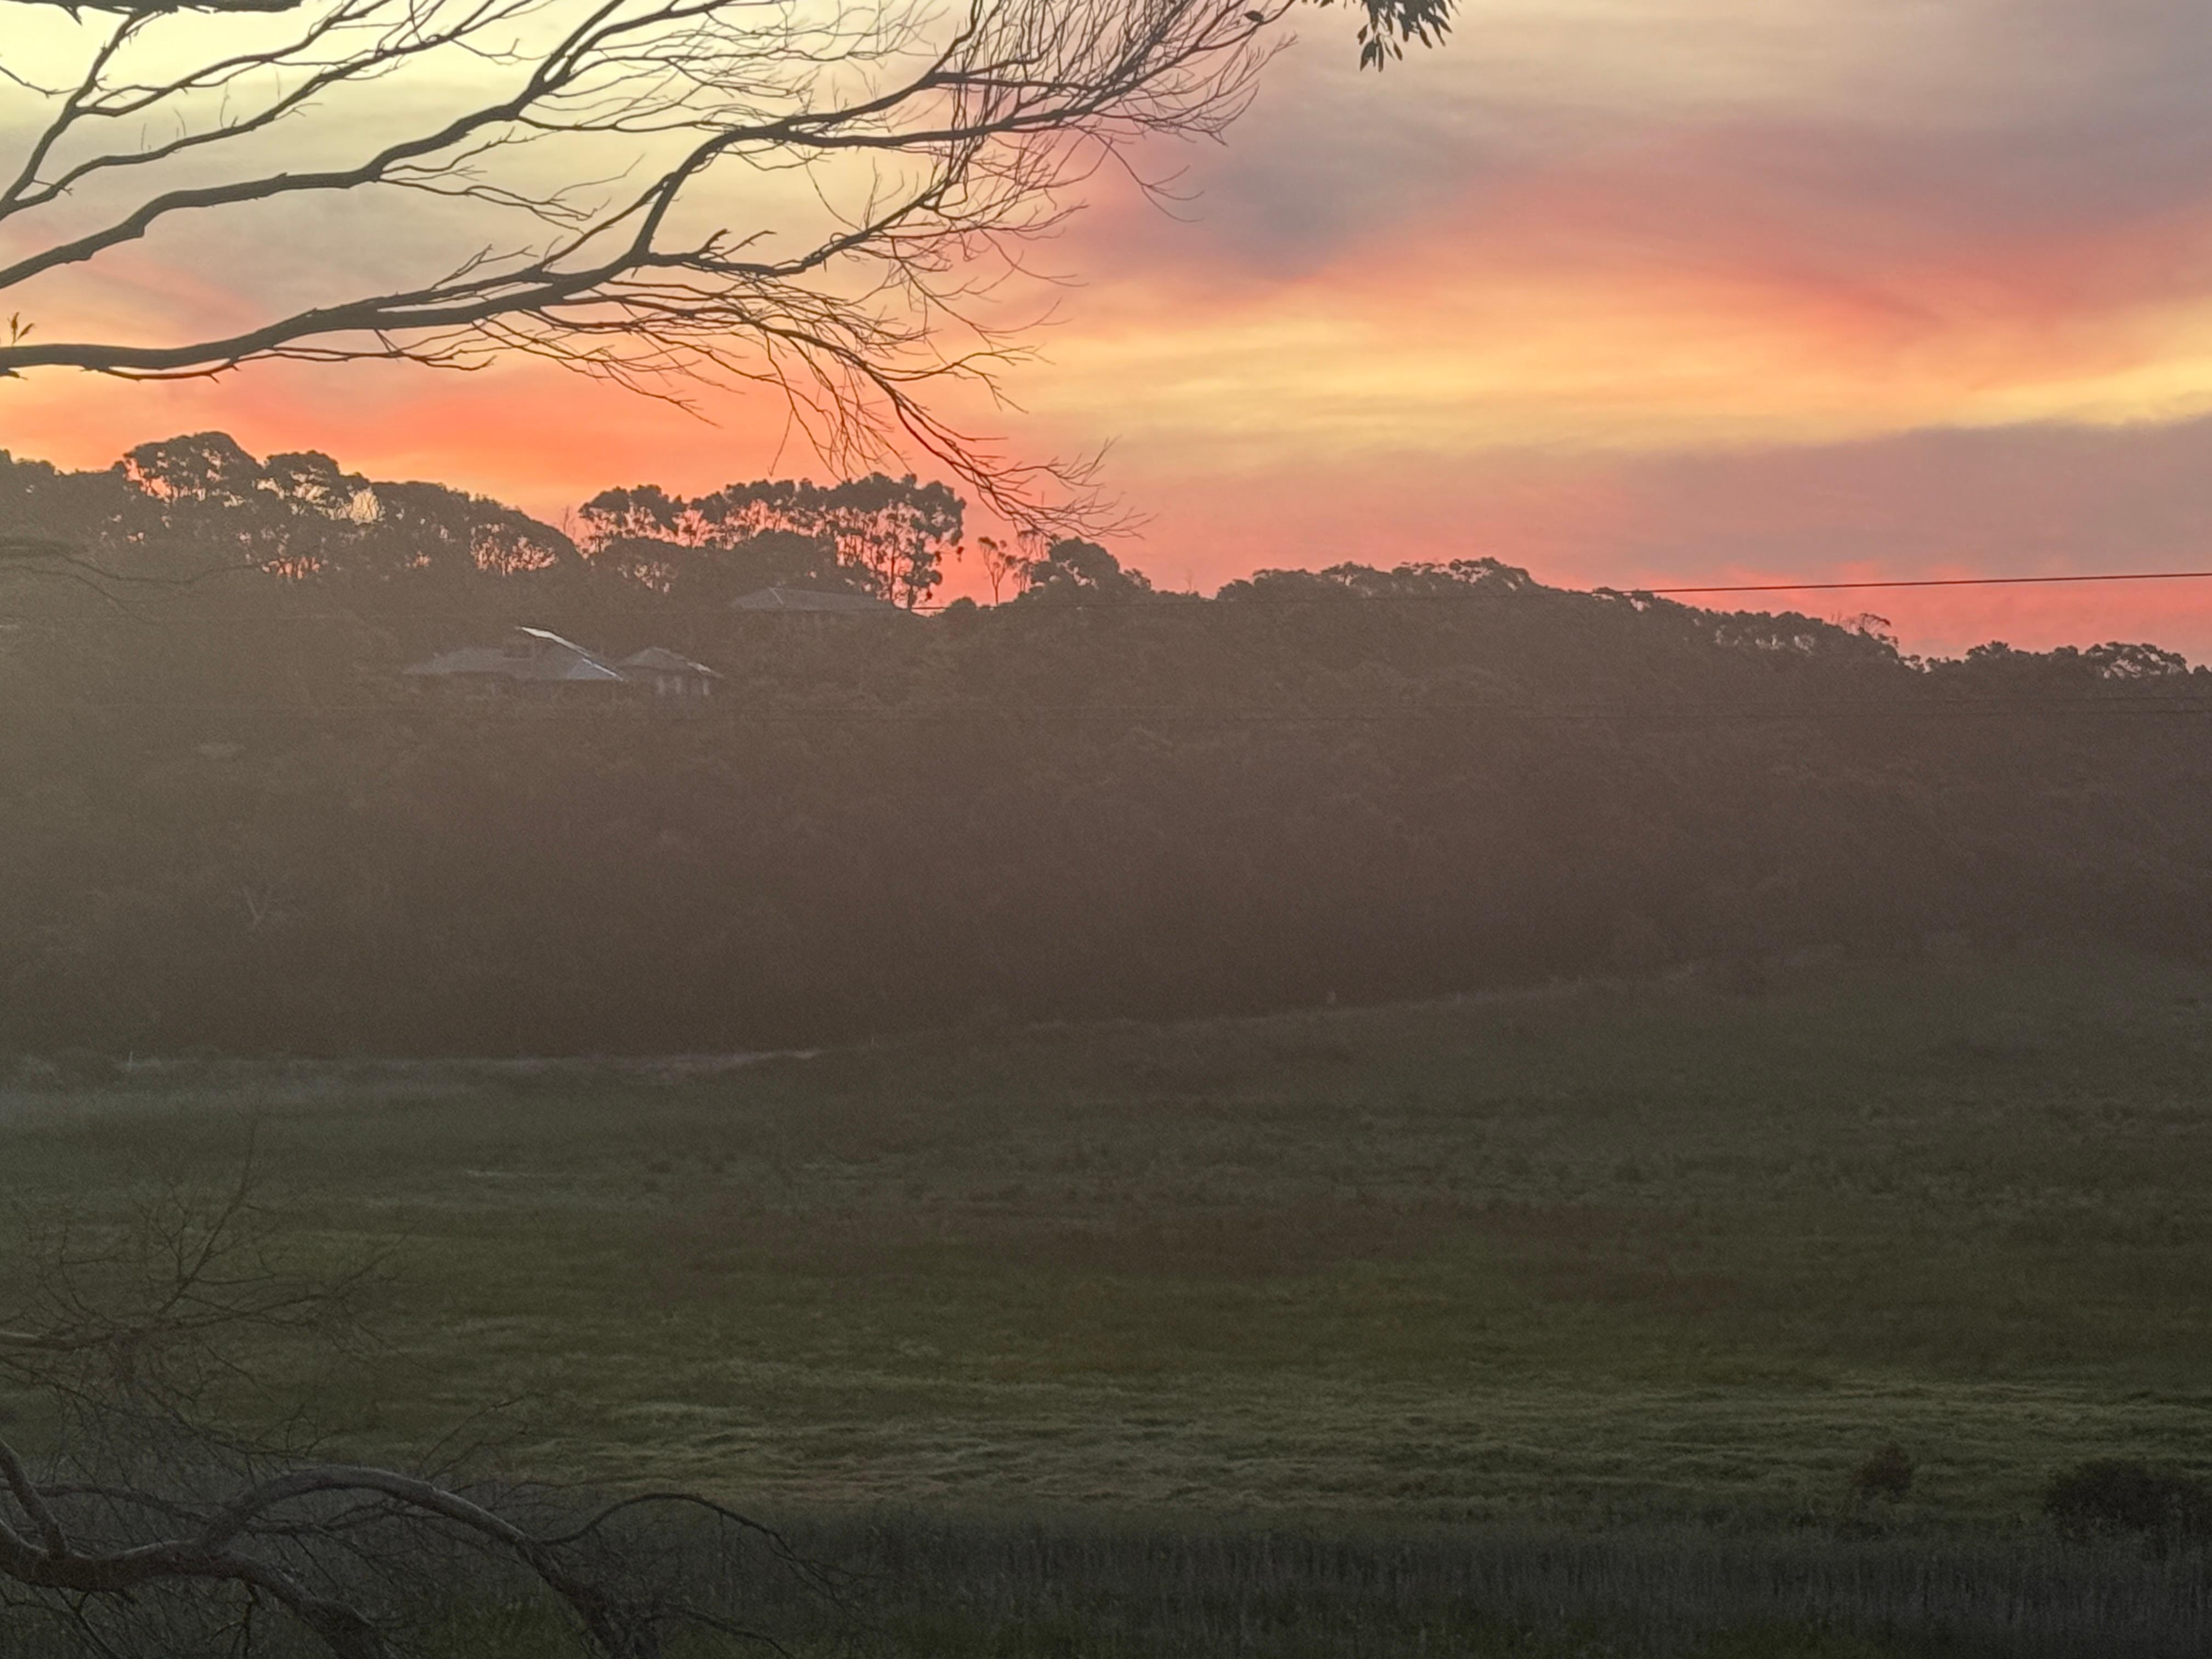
point(235, 824)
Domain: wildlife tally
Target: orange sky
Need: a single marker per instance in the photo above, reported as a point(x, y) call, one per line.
point(1663, 291)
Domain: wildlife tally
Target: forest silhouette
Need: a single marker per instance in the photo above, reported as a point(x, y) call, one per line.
point(235, 824)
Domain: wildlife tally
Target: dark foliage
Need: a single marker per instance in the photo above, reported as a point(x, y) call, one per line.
point(233, 822)
point(888, 537)
point(1391, 25)
point(1886, 1473)
point(2117, 1495)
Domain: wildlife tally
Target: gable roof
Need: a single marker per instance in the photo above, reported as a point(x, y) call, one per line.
point(547, 636)
point(546, 658)
point(659, 659)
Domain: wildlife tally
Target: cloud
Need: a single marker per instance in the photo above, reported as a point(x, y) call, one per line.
point(1618, 288)
point(1834, 140)
point(1707, 223)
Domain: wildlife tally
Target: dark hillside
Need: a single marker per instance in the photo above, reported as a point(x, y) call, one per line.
point(232, 821)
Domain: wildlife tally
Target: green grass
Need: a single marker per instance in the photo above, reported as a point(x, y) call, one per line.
point(1626, 1256)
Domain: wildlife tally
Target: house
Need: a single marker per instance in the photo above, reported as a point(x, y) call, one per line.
point(541, 660)
point(815, 601)
point(668, 674)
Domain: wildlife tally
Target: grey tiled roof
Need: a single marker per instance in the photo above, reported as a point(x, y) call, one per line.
point(659, 659)
point(547, 658)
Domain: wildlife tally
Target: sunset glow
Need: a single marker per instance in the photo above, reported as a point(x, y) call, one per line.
point(1105, 828)
point(1670, 292)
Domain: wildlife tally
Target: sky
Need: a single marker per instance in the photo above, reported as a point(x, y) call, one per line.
point(1638, 292)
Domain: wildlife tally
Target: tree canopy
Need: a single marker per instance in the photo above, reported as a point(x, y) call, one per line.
point(235, 822)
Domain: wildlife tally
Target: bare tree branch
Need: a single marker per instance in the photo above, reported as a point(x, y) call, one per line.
point(156, 8)
point(817, 200)
point(32, 1501)
point(120, 1328)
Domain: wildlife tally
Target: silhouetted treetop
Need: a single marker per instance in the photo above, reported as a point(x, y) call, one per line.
point(1072, 569)
point(190, 505)
point(893, 534)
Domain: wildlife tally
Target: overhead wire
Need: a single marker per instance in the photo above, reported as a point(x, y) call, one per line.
point(1928, 581)
point(2100, 704)
point(1167, 603)
point(2195, 703)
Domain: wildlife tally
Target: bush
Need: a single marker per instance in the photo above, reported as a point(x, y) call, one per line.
point(1886, 1473)
point(2115, 1495)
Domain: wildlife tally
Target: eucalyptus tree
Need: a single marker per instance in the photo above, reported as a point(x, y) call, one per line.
point(818, 197)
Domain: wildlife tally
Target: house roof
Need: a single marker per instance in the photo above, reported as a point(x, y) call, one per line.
point(547, 636)
point(547, 657)
point(809, 599)
point(659, 659)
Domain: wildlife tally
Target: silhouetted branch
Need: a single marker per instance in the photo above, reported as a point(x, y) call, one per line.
point(122, 1331)
point(816, 200)
point(159, 8)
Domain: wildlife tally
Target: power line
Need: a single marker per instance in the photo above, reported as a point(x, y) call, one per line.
point(1195, 714)
point(1931, 581)
point(1166, 604)
point(1346, 595)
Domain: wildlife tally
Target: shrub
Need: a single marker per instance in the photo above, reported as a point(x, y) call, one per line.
point(2117, 1495)
point(1886, 1473)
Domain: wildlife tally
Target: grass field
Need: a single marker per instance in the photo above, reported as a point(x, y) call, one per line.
point(1600, 1260)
